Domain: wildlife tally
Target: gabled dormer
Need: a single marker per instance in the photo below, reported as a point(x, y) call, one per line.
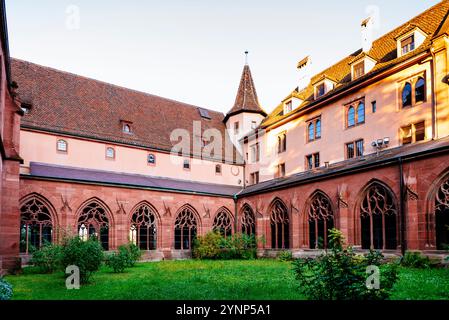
point(292, 102)
point(410, 39)
point(323, 85)
point(361, 66)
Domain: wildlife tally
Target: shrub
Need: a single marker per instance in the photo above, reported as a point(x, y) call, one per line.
point(47, 259)
point(86, 255)
point(285, 256)
point(214, 246)
point(118, 261)
point(340, 274)
point(5, 289)
point(133, 253)
point(415, 260)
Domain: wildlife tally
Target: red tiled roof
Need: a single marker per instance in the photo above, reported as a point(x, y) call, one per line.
point(71, 104)
point(246, 100)
point(384, 51)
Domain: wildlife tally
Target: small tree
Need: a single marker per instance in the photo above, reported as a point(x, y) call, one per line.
point(340, 274)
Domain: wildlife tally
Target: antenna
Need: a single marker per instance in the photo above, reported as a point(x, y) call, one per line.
point(246, 57)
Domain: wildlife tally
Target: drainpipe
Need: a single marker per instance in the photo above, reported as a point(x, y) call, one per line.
point(236, 212)
point(403, 193)
point(434, 95)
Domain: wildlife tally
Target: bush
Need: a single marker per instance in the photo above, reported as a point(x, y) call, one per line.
point(340, 274)
point(415, 260)
point(86, 255)
point(5, 289)
point(118, 261)
point(48, 258)
point(133, 253)
point(214, 246)
point(285, 256)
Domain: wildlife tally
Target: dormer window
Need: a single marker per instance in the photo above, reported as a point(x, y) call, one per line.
point(126, 128)
point(408, 44)
point(26, 108)
point(323, 86)
point(288, 107)
point(320, 90)
point(359, 69)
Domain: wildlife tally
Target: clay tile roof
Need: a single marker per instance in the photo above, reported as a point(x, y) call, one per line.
point(246, 100)
point(432, 22)
point(70, 104)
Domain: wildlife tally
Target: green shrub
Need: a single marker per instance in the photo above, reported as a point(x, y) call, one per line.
point(132, 253)
point(86, 255)
point(214, 246)
point(285, 256)
point(6, 291)
point(340, 274)
point(47, 259)
point(415, 260)
point(118, 261)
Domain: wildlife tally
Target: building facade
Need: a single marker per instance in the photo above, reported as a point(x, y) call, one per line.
point(363, 146)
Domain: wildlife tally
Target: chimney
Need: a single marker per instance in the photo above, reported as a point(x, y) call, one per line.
point(303, 67)
point(367, 34)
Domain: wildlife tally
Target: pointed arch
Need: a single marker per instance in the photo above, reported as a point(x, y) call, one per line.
point(223, 222)
point(37, 222)
point(320, 219)
point(247, 220)
point(144, 225)
point(186, 227)
point(280, 225)
point(378, 213)
point(94, 219)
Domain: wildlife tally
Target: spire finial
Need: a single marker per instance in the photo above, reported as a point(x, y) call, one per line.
point(246, 57)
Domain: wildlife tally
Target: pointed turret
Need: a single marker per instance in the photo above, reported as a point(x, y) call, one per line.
point(246, 100)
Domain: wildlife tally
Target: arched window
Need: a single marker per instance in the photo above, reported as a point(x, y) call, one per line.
point(311, 131)
point(61, 146)
point(94, 223)
point(126, 128)
point(36, 226)
point(420, 90)
point(280, 224)
point(361, 113)
point(321, 220)
point(248, 221)
point(223, 223)
point(351, 116)
point(110, 153)
point(407, 95)
point(143, 232)
point(442, 216)
point(378, 214)
point(185, 229)
point(318, 129)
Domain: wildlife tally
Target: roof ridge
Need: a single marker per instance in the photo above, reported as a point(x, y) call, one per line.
point(53, 69)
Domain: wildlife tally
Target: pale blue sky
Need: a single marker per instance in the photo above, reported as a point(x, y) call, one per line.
point(192, 51)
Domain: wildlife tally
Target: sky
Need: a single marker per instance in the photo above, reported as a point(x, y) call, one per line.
point(193, 51)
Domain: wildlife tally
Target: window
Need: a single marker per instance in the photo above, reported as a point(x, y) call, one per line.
point(236, 127)
point(355, 116)
point(185, 229)
point(255, 153)
point(126, 128)
point(378, 214)
point(442, 215)
point(312, 161)
point(354, 149)
point(254, 178)
point(407, 95)
point(374, 106)
point(218, 169)
point(288, 107)
point(280, 170)
point(26, 108)
point(93, 222)
point(280, 224)
point(61, 146)
point(282, 142)
point(248, 221)
point(223, 223)
point(253, 124)
point(110, 153)
point(320, 90)
point(359, 69)
point(314, 129)
point(186, 164)
point(420, 90)
point(143, 231)
point(151, 159)
point(321, 220)
point(413, 133)
point(408, 44)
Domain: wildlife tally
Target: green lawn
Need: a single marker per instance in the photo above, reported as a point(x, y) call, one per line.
point(214, 280)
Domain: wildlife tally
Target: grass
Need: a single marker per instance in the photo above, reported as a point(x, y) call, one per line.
point(207, 280)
